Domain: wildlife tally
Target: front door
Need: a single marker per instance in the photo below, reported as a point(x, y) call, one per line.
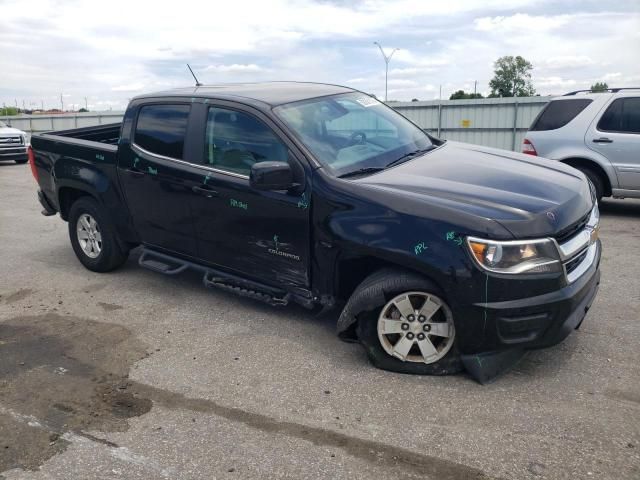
point(157, 182)
point(616, 135)
point(260, 234)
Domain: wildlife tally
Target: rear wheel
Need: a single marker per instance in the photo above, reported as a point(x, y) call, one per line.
point(413, 330)
point(93, 237)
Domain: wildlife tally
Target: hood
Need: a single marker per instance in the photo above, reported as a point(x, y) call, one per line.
point(10, 131)
point(529, 197)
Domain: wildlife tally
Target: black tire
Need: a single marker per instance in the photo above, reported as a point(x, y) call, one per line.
point(392, 282)
point(596, 180)
point(20, 162)
point(111, 255)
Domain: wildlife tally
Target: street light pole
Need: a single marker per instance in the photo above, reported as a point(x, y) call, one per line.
point(387, 59)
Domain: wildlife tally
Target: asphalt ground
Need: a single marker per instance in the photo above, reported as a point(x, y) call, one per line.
point(133, 374)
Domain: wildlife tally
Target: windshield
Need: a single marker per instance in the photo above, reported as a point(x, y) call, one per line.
point(3, 125)
point(352, 132)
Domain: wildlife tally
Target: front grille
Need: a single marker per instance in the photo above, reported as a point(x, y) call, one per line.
point(569, 232)
point(11, 141)
point(572, 264)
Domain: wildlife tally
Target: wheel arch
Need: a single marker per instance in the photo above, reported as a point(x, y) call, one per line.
point(577, 162)
point(351, 273)
point(67, 195)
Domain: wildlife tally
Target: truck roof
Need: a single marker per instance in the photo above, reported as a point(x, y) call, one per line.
point(270, 93)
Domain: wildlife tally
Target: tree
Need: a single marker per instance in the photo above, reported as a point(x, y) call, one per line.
point(8, 111)
point(415, 100)
point(83, 110)
point(512, 78)
point(599, 87)
point(462, 95)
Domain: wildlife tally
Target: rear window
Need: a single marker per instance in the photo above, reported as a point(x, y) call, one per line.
point(161, 129)
point(623, 115)
point(558, 113)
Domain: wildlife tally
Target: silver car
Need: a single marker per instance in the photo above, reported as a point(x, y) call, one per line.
point(597, 133)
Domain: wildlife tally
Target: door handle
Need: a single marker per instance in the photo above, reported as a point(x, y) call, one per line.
point(134, 172)
point(602, 140)
point(204, 191)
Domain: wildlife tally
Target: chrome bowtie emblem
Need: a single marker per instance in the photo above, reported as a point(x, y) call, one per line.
point(551, 216)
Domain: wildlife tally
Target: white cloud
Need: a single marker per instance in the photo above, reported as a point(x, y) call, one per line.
point(131, 87)
point(555, 82)
point(235, 68)
point(54, 46)
point(566, 61)
point(521, 22)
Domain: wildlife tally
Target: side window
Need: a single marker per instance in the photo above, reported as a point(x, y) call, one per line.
point(557, 113)
point(237, 140)
point(623, 115)
point(161, 129)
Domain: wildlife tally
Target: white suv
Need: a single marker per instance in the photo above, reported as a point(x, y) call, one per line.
point(597, 133)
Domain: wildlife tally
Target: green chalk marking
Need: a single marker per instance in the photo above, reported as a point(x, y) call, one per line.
point(135, 162)
point(275, 240)
point(303, 202)
point(420, 248)
point(99, 157)
point(453, 237)
point(206, 179)
point(152, 171)
point(237, 204)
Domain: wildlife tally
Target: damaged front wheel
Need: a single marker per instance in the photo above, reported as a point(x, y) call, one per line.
point(413, 330)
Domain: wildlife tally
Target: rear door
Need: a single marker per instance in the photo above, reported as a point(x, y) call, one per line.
point(157, 180)
point(616, 135)
point(260, 234)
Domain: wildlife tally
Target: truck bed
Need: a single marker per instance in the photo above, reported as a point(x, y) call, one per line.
point(107, 134)
point(81, 159)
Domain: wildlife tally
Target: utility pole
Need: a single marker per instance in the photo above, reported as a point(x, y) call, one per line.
point(61, 103)
point(475, 86)
point(85, 104)
point(42, 105)
point(387, 59)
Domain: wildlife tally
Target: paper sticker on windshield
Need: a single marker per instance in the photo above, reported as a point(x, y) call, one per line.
point(367, 101)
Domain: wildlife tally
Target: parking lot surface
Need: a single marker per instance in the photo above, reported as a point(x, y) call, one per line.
point(133, 374)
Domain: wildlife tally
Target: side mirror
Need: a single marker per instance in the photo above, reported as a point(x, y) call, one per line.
point(271, 176)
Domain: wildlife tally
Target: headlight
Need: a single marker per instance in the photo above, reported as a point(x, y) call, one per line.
point(511, 257)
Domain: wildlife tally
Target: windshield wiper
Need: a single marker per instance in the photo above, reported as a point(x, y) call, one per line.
point(409, 156)
point(361, 171)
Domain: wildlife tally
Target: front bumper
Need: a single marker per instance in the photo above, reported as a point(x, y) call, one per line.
point(514, 326)
point(17, 153)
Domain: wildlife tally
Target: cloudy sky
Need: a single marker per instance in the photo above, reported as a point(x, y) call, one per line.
point(111, 51)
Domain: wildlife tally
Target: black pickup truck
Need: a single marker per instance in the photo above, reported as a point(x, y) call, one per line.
point(442, 256)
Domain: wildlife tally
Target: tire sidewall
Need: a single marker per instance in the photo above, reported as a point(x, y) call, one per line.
point(368, 331)
point(596, 181)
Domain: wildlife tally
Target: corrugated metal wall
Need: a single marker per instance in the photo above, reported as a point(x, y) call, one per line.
point(46, 123)
point(493, 122)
